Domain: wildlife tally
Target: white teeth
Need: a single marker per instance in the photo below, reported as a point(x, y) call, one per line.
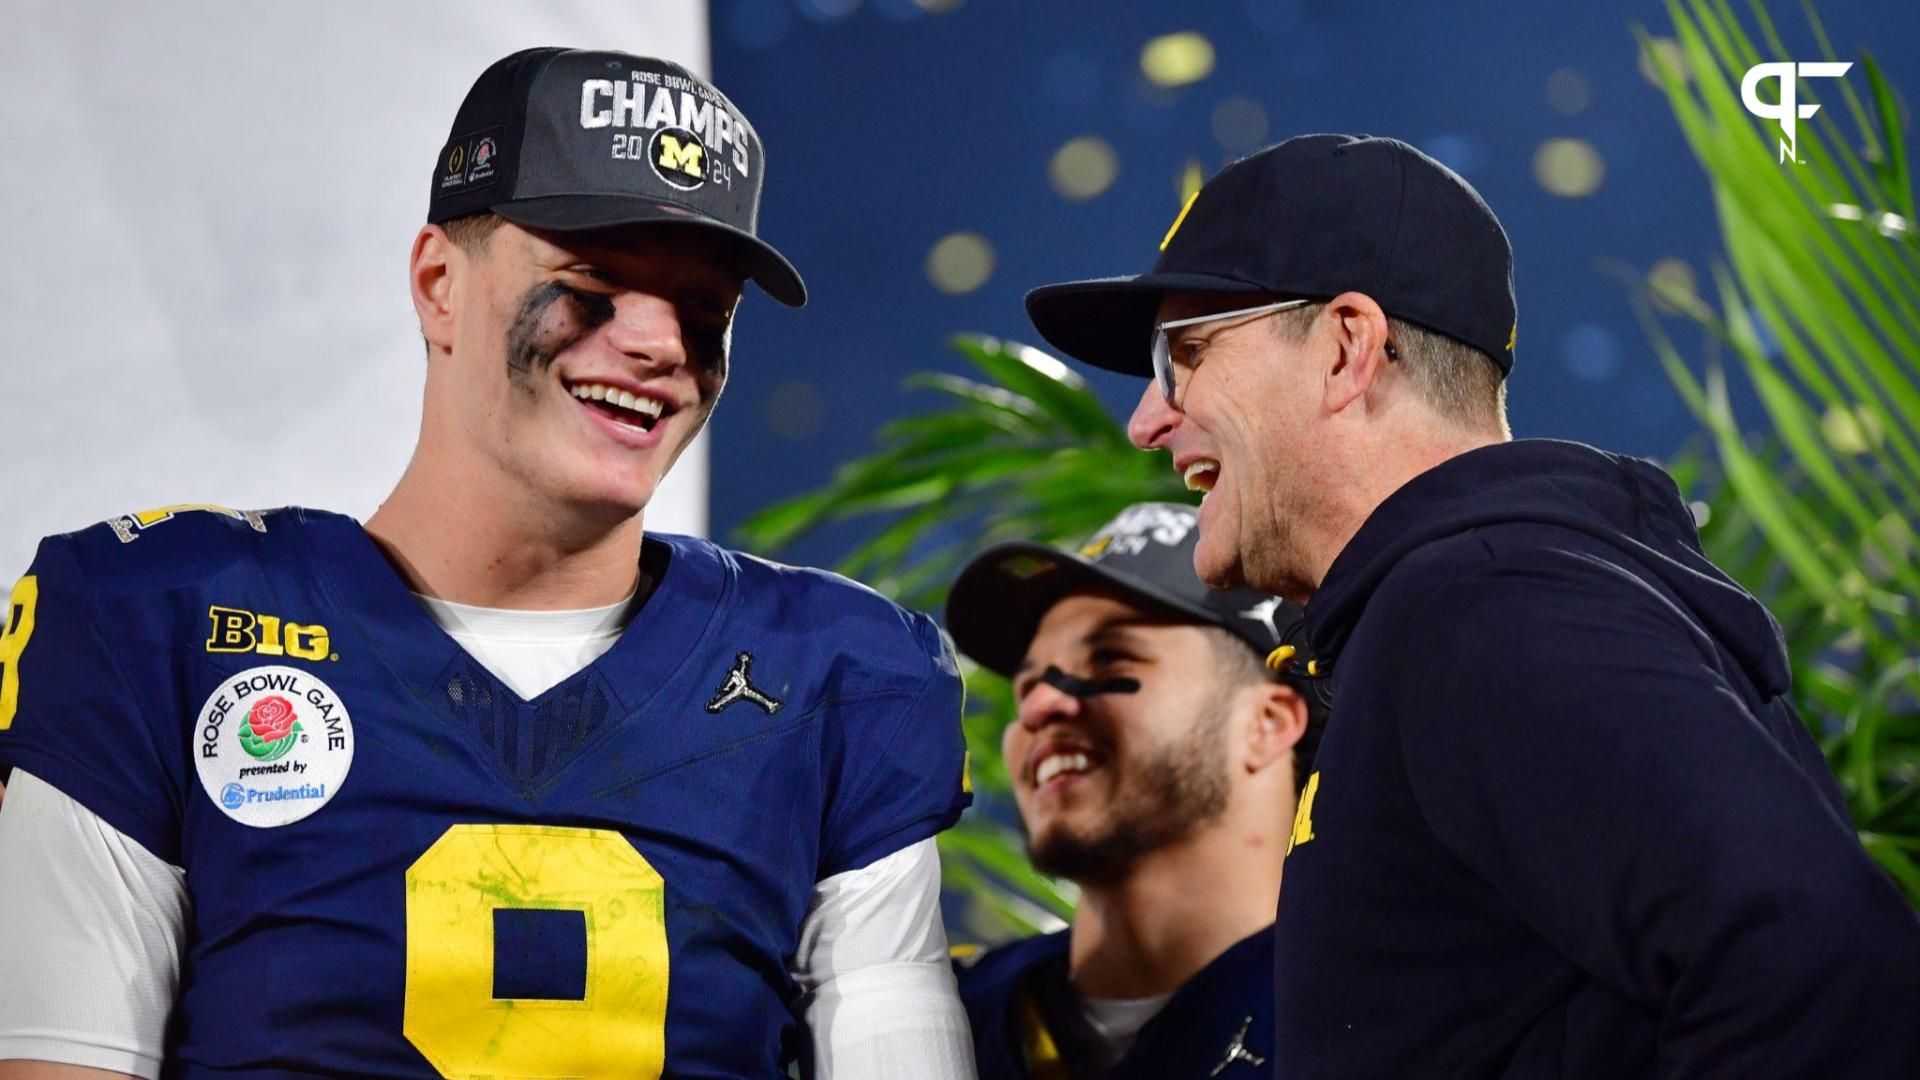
point(1055, 764)
point(613, 395)
point(1201, 474)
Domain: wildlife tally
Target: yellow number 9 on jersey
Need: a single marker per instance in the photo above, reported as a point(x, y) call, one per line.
point(618, 1028)
point(16, 626)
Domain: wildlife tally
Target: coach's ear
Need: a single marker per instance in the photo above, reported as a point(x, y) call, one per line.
point(430, 276)
point(1359, 330)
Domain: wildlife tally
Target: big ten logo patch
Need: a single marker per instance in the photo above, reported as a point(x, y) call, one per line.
point(235, 630)
point(129, 527)
point(690, 136)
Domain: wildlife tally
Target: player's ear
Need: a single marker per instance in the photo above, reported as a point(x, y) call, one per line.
point(1278, 716)
point(430, 275)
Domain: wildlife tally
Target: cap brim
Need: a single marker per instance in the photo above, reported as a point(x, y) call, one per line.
point(993, 612)
point(573, 213)
point(1105, 322)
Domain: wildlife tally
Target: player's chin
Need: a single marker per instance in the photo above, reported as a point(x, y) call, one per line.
point(615, 484)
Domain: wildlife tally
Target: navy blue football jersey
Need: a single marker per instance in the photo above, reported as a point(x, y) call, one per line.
point(1027, 1025)
point(400, 868)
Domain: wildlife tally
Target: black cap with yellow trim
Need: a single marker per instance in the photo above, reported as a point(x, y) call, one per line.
point(1145, 554)
point(1315, 216)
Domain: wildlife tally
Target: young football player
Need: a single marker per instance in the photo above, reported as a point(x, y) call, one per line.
point(1155, 761)
point(497, 783)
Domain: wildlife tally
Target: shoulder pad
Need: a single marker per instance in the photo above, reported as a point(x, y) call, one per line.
point(171, 546)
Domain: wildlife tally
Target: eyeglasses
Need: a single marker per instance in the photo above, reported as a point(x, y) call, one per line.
point(1163, 368)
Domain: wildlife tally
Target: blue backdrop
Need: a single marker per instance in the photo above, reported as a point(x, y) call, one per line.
point(892, 125)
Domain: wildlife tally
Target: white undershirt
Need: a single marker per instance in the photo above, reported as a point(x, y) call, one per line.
point(95, 924)
point(531, 651)
point(1116, 1023)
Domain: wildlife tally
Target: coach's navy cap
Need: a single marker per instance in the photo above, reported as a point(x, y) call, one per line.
point(564, 140)
point(1145, 555)
point(1314, 217)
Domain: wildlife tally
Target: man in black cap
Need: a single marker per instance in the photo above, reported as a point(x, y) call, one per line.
point(1155, 761)
point(1567, 822)
point(501, 783)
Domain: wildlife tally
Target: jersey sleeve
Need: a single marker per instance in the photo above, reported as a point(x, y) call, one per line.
point(896, 760)
point(69, 713)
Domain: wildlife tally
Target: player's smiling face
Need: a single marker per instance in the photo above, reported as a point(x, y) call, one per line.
point(1104, 778)
point(585, 363)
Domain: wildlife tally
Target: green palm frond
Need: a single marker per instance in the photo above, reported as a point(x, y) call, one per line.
point(1818, 307)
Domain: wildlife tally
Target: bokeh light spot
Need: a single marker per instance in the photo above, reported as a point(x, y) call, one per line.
point(795, 410)
point(1662, 49)
point(1177, 59)
point(938, 7)
point(1673, 277)
point(960, 263)
point(1083, 168)
point(1590, 353)
point(1571, 168)
point(1851, 431)
point(1239, 124)
point(1675, 287)
point(1568, 92)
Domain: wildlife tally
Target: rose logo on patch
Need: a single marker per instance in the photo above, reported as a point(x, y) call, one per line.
point(483, 153)
point(271, 728)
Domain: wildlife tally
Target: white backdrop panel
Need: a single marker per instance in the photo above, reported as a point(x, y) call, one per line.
point(205, 214)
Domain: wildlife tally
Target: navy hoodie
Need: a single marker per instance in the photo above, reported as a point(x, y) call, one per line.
point(1564, 821)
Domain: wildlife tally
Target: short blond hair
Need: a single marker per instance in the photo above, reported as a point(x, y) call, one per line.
point(471, 232)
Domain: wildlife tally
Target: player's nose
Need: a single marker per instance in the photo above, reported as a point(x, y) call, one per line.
point(647, 327)
point(1044, 704)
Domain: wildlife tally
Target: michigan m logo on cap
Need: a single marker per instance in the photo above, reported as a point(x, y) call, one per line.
point(679, 157)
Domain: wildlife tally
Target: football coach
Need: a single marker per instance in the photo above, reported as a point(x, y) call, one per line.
point(1564, 821)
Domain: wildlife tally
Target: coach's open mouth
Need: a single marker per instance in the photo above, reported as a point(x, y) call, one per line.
point(622, 406)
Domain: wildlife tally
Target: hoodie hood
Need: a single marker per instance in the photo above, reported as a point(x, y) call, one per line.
point(1630, 504)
